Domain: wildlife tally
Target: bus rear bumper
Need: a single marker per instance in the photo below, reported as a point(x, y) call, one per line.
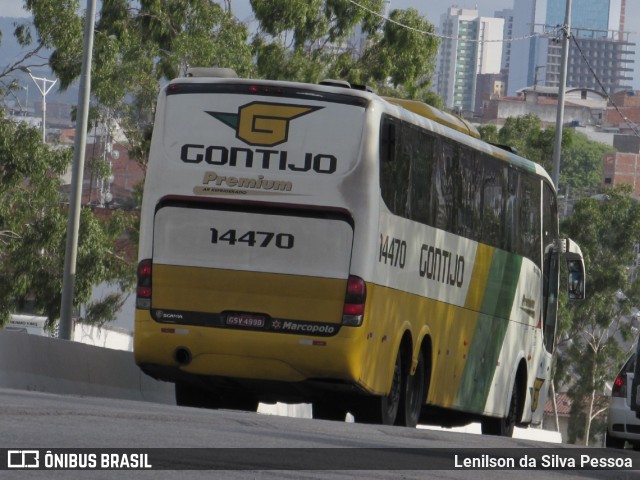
point(285, 365)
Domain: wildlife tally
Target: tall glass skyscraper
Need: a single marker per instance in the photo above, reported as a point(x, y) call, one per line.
point(585, 14)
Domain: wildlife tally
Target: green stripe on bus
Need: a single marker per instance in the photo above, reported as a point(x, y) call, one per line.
point(490, 331)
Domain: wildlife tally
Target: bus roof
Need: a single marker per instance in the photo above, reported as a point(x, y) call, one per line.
point(438, 116)
point(454, 122)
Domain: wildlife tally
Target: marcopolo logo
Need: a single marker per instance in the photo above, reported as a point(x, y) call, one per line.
point(263, 124)
point(307, 328)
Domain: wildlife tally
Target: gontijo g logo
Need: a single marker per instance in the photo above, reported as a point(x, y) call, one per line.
point(263, 124)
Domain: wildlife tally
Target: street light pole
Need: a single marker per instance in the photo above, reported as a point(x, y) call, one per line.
point(46, 87)
point(555, 176)
point(73, 226)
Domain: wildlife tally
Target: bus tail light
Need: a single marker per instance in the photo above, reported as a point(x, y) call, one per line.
point(143, 291)
point(354, 301)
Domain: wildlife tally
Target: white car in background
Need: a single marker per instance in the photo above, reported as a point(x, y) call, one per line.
point(622, 424)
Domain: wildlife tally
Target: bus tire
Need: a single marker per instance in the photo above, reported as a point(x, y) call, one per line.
point(328, 411)
point(382, 410)
point(413, 394)
point(503, 426)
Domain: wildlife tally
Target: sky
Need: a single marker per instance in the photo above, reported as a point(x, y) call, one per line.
point(431, 9)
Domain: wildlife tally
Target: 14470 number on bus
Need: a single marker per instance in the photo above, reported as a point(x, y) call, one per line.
point(253, 238)
point(393, 251)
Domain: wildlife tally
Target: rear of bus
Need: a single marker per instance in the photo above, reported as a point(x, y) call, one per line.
point(245, 281)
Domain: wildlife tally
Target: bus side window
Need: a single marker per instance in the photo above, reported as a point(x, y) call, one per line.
point(530, 218)
point(511, 212)
point(395, 162)
point(449, 186)
point(388, 142)
point(422, 205)
point(492, 209)
point(470, 171)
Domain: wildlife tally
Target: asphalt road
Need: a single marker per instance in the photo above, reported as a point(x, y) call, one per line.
point(235, 445)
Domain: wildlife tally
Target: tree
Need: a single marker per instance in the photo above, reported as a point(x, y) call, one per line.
point(581, 158)
point(581, 167)
point(139, 45)
point(309, 41)
point(404, 57)
point(596, 334)
point(307, 37)
point(33, 222)
point(526, 135)
point(489, 133)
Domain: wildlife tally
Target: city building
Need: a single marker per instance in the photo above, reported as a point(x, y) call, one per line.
point(582, 107)
point(471, 45)
point(107, 144)
point(601, 59)
point(494, 85)
point(507, 34)
point(600, 52)
point(623, 166)
point(488, 86)
point(626, 117)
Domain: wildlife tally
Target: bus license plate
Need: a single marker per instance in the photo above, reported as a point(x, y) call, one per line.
point(245, 320)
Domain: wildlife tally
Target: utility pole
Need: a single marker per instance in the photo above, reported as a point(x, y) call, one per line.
point(73, 226)
point(46, 87)
point(566, 35)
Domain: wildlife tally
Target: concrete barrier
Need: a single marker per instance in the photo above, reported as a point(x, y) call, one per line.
point(43, 364)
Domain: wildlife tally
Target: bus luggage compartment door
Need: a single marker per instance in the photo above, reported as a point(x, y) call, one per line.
point(213, 266)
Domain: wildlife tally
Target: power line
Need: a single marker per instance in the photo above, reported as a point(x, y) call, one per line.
point(442, 37)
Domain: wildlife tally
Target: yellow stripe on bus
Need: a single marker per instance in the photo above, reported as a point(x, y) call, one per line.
point(458, 325)
point(278, 295)
point(479, 277)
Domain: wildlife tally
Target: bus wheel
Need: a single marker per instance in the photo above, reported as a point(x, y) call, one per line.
point(382, 410)
point(503, 426)
point(328, 411)
point(413, 395)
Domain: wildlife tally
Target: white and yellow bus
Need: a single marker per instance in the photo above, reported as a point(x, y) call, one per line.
point(321, 244)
